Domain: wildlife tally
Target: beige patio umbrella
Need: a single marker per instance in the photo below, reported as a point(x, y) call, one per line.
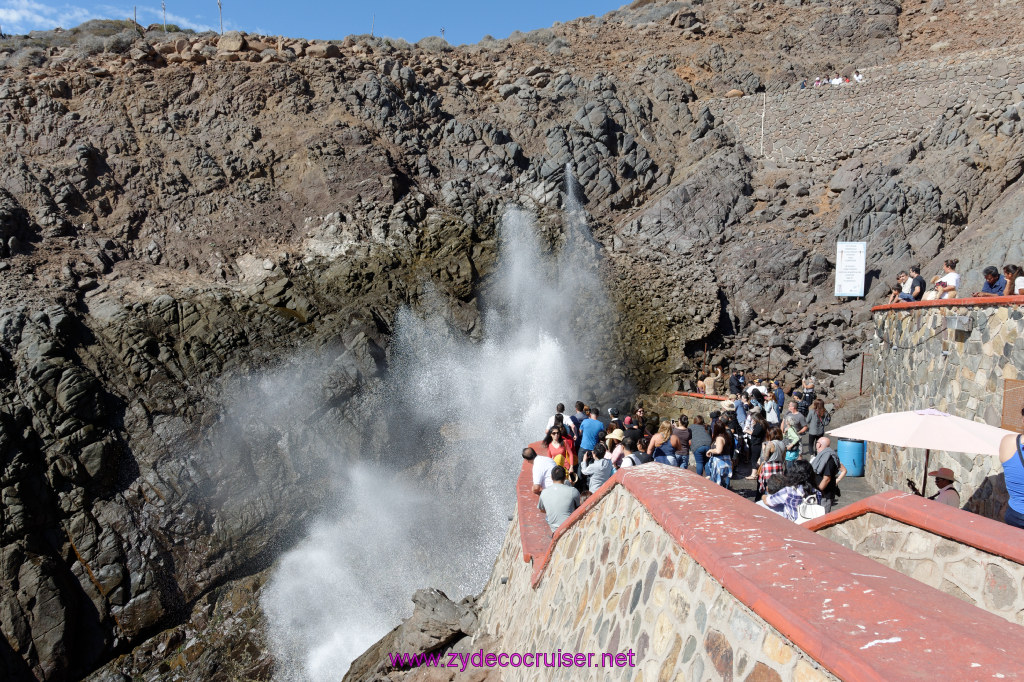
point(928, 430)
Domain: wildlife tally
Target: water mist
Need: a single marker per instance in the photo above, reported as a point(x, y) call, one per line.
point(426, 501)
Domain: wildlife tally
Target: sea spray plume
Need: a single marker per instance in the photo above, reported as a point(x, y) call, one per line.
point(278, 430)
point(425, 498)
point(593, 318)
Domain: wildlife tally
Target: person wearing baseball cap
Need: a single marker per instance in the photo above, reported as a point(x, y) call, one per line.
point(613, 419)
point(944, 482)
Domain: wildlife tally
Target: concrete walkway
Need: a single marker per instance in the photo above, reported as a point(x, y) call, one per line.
point(854, 489)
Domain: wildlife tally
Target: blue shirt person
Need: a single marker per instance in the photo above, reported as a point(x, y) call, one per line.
point(995, 284)
point(589, 430)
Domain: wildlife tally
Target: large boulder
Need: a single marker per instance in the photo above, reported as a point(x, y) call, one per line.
point(846, 175)
point(232, 41)
point(805, 341)
point(828, 356)
point(323, 51)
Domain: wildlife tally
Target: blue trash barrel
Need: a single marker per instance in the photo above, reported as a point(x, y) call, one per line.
point(851, 454)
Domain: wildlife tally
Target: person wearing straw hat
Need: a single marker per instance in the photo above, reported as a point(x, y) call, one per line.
point(947, 494)
point(613, 446)
point(944, 480)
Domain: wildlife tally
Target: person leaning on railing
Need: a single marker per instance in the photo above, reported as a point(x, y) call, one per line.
point(1014, 280)
point(947, 283)
point(894, 294)
point(995, 284)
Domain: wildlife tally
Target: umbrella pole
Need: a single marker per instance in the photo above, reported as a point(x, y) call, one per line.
point(924, 477)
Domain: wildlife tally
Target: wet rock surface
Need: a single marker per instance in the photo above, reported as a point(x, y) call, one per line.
point(182, 216)
point(437, 626)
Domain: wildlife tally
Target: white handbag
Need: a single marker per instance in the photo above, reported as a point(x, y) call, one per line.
point(809, 509)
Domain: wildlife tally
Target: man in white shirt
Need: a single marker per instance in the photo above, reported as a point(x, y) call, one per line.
point(542, 466)
point(560, 409)
point(905, 283)
point(944, 482)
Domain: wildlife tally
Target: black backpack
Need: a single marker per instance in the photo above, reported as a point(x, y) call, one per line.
point(640, 458)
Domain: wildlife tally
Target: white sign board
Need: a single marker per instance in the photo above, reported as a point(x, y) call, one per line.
point(850, 263)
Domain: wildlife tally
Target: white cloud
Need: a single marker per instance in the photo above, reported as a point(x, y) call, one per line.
point(22, 16)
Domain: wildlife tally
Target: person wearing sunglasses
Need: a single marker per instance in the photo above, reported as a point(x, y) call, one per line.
point(559, 447)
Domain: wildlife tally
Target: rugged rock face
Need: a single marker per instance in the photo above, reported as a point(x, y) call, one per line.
point(222, 639)
point(182, 215)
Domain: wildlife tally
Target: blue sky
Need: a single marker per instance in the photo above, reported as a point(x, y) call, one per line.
point(463, 21)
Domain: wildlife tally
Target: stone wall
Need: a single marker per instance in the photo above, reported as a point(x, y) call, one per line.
point(697, 583)
point(894, 104)
point(969, 574)
point(618, 582)
point(923, 364)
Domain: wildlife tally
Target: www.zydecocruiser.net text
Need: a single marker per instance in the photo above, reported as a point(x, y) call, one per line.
point(531, 659)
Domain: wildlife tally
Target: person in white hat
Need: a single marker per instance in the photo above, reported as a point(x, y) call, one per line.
point(613, 447)
point(944, 482)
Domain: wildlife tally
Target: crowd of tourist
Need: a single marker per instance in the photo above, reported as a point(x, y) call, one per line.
point(785, 450)
point(913, 287)
point(778, 440)
point(796, 469)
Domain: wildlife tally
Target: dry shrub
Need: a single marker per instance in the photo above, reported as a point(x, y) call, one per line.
point(120, 43)
point(542, 36)
point(102, 27)
point(89, 45)
point(434, 44)
point(27, 58)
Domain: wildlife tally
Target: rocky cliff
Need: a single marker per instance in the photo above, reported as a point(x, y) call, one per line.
point(182, 214)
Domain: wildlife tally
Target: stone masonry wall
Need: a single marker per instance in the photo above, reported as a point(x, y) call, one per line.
point(977, 577)
point(892, 104)
point(913, 373)
point(619, 582)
